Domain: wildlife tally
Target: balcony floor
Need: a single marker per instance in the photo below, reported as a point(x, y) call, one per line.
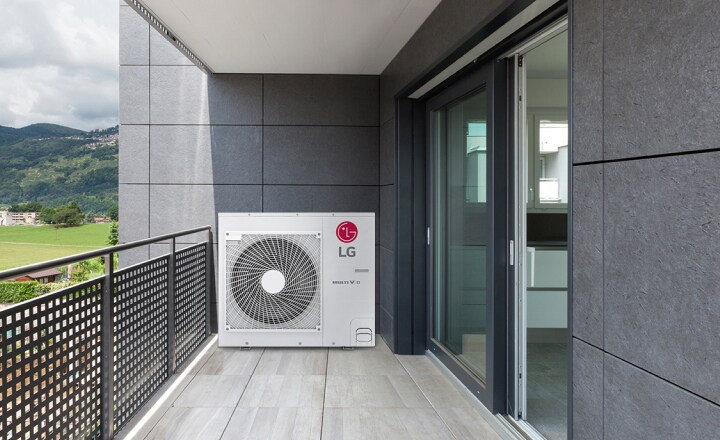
point(367, 393)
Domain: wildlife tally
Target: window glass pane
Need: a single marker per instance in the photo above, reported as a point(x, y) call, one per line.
point(552, 149)
point(461, 221)
point(545, 254)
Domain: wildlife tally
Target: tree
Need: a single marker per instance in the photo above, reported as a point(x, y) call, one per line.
point(70, 215)
point(47, 215)
point(113, 212)
point(113, 239)
point(27, 207)
point(33, 207)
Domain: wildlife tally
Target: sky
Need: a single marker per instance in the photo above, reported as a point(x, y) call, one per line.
point(59, 63)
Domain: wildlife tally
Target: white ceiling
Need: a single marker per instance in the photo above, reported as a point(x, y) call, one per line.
point(294, 36)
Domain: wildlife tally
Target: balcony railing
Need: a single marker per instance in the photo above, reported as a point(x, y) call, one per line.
point(80, 362)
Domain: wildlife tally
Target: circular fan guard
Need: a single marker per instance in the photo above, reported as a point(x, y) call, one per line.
point(298, 298)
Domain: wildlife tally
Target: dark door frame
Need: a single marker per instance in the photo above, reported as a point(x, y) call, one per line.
point(492, 77)
point(411, 209)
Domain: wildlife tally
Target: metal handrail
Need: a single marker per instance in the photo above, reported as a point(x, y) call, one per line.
point(12, 273)
point(107, 309)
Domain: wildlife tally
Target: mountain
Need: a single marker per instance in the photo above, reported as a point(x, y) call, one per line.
point(53, 165)
point(9, 135)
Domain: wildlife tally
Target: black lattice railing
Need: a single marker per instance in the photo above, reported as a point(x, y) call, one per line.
point(80, 362)
point(141, 337)
point(50, 365)
point(190, 303)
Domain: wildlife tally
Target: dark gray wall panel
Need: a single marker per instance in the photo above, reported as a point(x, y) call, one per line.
point(134, 152)
point(235, 99)
point(587, 253)
point(641, 406)
point(159, 249)
point(587, 392)
point(660, 93)
point(377, 280)
point(134, 89)
point(293, 198)
point(133, 256)
point(662, 247)
point(163, 53)
point(321, 155)
point(185, 95)
point(179, 95)
point(133, 221)
point(177, 207)
point(386, 329)
point(135, 44)
point(209, 154)
point(387, 277)
point(587, 80)
point(321, 100)
point(387, 216)
point(387, 153)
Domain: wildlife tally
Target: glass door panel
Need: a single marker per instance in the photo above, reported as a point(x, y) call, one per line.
point(461, 236)
point(542, 237)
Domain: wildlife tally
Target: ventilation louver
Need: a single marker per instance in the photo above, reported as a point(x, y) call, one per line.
point(274, 282)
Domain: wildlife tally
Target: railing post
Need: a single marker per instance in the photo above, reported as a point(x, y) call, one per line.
point(209, 283)
point(107, 340)
point(171, 310)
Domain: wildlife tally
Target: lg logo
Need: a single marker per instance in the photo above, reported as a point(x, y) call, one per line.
point(346, 232)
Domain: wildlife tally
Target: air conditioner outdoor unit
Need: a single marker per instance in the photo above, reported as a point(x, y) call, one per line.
point(296, 279)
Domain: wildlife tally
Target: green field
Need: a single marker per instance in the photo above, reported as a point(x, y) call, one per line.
point(21, 245)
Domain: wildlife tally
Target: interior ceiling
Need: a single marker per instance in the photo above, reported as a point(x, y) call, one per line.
point(293, 36)
point(550, 59)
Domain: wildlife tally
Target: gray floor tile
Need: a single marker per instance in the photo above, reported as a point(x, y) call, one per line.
point(440, 392)
point(296, 361)
point(274, 424)
point(284, 392)
point(191, 424)
point(419, 365)
point(380, 346)
point(356, 362)
point(383, 424)
point(373, 391)
point(232, 361)
point(467, 424)
point(212, 391)
point(424, 423)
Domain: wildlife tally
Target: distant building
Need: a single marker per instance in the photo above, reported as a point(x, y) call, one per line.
point(8, 218)
point(42, 277)
point(101, 219)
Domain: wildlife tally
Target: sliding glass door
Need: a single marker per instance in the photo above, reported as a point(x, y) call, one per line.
point(541, 201)
point(461, 230)
point(464, 167)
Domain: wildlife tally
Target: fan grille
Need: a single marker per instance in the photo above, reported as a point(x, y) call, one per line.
point(297, 305)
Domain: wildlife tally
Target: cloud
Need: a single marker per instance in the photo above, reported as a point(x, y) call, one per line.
point(59, 63)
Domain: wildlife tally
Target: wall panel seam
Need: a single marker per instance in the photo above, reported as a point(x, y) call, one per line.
point(646, 371)
point(648, 157)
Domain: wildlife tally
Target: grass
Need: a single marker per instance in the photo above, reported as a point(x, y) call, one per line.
point(21, 245)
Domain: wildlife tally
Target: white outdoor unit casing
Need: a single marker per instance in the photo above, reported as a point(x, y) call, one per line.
point(296, 279)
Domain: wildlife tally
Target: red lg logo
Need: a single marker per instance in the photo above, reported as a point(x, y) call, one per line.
point(346, 232)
